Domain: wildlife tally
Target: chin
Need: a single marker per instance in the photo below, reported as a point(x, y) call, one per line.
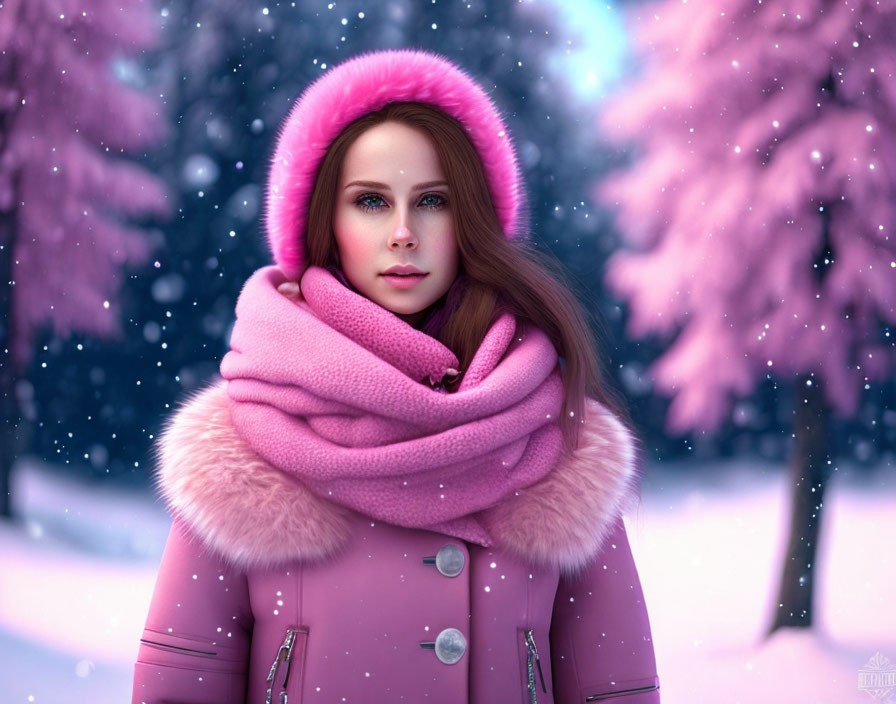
point(405, 309)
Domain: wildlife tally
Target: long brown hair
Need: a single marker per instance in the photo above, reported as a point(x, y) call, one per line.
point(495, 274)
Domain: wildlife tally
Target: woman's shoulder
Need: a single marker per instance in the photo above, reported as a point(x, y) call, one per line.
point(565, 518)
point(249, 512)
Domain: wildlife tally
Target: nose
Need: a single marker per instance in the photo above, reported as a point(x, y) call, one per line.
point(402, 238)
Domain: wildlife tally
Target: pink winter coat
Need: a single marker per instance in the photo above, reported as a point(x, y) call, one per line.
point(268, 593)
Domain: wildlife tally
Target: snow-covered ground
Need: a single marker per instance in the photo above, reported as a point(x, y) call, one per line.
point(709, 549)
point(75, 585)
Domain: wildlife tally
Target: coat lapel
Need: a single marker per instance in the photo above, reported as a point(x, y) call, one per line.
point(256, 516)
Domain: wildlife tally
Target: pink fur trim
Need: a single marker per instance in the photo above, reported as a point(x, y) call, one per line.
point(256, 516)
point(363, 84)
point(564, 519)
point(243, 508)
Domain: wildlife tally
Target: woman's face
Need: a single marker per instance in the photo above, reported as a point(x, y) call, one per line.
point(393, 208)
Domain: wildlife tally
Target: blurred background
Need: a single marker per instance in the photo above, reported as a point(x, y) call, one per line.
point(719, 178)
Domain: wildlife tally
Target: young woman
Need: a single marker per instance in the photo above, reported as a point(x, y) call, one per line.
point(408, 483)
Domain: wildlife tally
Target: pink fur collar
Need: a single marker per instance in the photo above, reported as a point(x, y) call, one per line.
point(256, 516)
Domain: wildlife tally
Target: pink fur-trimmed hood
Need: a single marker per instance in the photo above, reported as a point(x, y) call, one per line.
point(363, 84)
point(256, 516)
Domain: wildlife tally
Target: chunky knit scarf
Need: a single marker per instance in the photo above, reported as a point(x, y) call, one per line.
point(345, 397)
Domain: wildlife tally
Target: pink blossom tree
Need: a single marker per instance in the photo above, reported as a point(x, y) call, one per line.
point(66, 122)
point(760, 212)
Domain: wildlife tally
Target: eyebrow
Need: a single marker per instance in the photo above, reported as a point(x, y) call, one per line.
point(385, 187)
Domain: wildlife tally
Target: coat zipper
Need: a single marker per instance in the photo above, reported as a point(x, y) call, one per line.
point(532, 660)
point(608, 695)
point(284, 655)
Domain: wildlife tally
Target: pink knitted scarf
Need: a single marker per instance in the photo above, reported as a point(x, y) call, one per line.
point(336, 391)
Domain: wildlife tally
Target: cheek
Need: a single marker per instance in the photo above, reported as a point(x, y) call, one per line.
point(350, 239)
point(349, 245)
point(449, 252)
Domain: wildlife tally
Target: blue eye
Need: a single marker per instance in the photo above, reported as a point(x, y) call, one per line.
point(364, 201)
point(441, 201)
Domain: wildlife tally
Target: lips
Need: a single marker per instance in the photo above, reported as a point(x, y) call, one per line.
point(403, 281)
point(403, 269)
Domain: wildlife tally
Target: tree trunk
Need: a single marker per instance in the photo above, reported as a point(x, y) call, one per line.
point(9, 415)
point(810, 469)
point(10, 437)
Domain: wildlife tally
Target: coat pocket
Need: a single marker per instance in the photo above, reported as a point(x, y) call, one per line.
point(284, 681)
point(177, 650)
point(625, 689)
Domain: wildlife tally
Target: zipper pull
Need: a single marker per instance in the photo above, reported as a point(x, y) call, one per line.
point(284, 654)
point(530, 643)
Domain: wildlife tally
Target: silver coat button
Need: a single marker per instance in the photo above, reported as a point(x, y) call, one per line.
point(450, 646)
point(449, 560)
